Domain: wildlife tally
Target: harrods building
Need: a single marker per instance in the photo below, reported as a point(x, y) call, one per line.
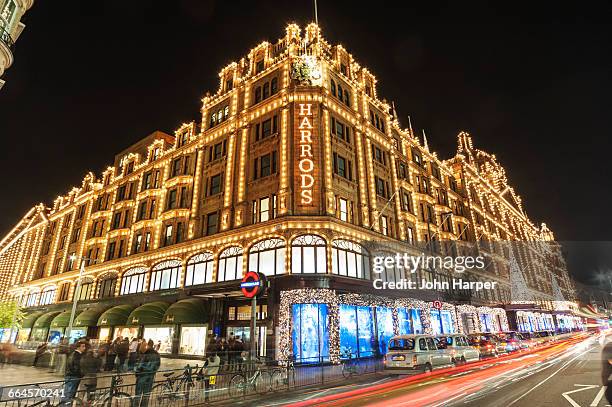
point(300, 170)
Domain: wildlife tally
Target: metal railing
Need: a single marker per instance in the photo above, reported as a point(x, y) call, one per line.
point(188, 386)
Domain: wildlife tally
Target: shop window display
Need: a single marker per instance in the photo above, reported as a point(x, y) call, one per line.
point(104, 333)
point(161, 336)
point(193, 340)
point(384, 325)
point(356, 331)
point(447, 321)
point(310, 333)
point(24, 334)
point(125, 332)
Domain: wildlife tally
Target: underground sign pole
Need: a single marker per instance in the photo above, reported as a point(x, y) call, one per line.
point(252, 286)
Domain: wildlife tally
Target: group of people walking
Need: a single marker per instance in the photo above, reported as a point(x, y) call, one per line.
point(230, 351)
point(83, 366)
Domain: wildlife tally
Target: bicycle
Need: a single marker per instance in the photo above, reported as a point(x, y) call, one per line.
point(111, 396)
point(350, 366)
point(241, 383)
point(174, 388)
point(279, 378)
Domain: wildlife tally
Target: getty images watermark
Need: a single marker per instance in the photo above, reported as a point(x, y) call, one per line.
point(409, 264)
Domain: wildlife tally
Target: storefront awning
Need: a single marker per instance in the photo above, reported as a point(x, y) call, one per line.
point(89, 317)
point(29, 320)
point(189, 311)
point(148, 314)
point(116, 316)
point(44, 321)
point(61, 321)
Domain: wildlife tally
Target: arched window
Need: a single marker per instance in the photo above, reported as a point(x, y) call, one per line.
point(133, 281)
point(165, 275)
point(86, 290)
point(32, 299)
point(392, 273)
point(199, 269)
point(339, 92)
point(64, 291)
point(47, 296)
point(347, 99)
point(230, 264)
point(350, 259)
point(308, 255)
point(333, 87)
point(106, 285)
point(268, 257)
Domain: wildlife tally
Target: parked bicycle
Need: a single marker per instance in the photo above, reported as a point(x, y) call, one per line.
point(350, 365)
point(280, 377)
point(174, 388)
point(253, 379)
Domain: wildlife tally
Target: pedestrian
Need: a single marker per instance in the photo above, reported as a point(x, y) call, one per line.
point(90, 366)
point(40, 350)
point(158, 346)
point(63, 351)
point(211, 369)
point(111, 354)
point(230, 351)
point(222, 351)
point(123, 349)
point(237, 350)
point(132, 354)
point(73, 375)
point(145, 370)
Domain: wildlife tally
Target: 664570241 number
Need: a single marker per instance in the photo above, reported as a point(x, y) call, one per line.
point(32, 392)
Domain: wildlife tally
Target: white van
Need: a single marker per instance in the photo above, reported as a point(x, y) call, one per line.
point(410, 353)
point(459, 347)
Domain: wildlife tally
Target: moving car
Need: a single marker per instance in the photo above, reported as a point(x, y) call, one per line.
point(514, 341)
point(488, 344)
point(545, 336)
point(410, 353)
point(529, 339)
point(459, 347)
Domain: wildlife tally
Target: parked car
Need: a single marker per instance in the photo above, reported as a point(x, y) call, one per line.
point(488, 344)
point(459, 347)
point(410, 353)
point(514, 341)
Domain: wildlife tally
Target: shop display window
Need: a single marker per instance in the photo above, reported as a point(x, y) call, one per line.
point(161, 336)
point(384, 324)
point(193, 340)
point(310, 333)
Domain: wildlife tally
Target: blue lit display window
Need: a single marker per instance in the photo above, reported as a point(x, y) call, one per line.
point(384, 325)
point(357, 335)
point(310, 333)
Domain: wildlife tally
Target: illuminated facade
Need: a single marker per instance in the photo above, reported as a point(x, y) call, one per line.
point(11, 12)
point(296, 168)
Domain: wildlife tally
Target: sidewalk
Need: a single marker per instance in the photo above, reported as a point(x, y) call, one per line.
point(13, 374)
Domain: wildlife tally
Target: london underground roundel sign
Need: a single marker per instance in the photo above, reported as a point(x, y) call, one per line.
point(252, 284)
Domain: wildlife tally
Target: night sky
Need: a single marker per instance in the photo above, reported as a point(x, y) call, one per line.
point(530, 81)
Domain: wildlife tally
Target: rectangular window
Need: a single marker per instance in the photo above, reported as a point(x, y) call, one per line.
point(183, 202)
point(152, 208)
point(264, 209)
point(147, 242)
point(121, 193)
point(62, 242)
point(406, 202)
point(176, 167)
point(172, 199)
point(146, 181)
point(343, 209)
point(410, 234)
point(138, 243)
point(180, 231)
point(75, 235)
point(215, 185)
point(168, 235)
point(211, 223)
point(380, 187)
point(384, 225)
point(111, 251)
point(142, 210)
point(116, 220)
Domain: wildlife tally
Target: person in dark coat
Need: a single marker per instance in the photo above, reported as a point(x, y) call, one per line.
point(122, 350)
point(73, 375)
point(40, 350)
point(90, 366)
point(111, 354)
point(145, 370)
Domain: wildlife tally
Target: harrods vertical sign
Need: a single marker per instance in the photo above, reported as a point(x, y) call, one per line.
point(307, 169)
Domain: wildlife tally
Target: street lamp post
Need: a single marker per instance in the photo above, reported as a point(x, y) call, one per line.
point(76, 295)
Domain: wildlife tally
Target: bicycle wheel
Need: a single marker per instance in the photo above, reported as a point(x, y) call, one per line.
point(162, 395)
point(120, 399)
point(347, 370)
point(277, 380)
point(262, 382)
point(237, 386)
